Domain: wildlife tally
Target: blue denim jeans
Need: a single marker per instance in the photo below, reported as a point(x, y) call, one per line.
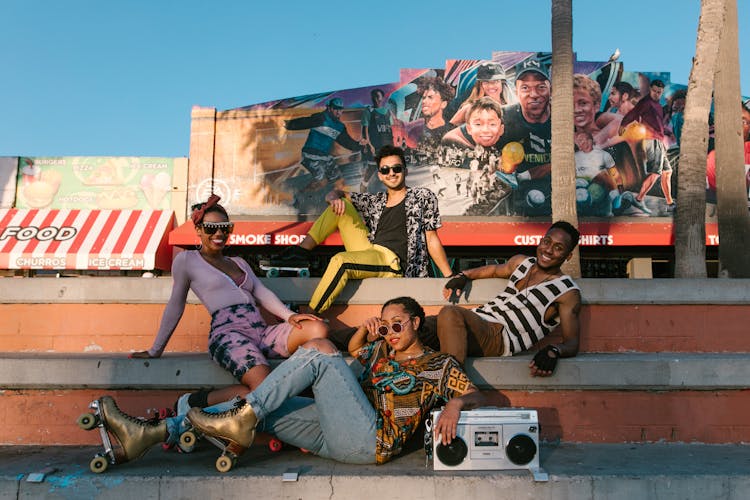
point(338, 424)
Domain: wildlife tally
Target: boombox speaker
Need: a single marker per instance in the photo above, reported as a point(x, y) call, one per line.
point(489, 439)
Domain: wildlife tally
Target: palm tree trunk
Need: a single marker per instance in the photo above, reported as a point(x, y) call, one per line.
point(731, 193)
point(690, 217)
point(563, 156)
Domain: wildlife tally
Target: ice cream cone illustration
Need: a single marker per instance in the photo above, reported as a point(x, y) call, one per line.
point(155, 187)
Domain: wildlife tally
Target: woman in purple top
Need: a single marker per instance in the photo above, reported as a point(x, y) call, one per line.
point(239, 340)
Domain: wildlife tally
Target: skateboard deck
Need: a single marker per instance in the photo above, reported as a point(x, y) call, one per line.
point(276, 271)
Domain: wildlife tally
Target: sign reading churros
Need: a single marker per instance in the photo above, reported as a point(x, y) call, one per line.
point(92, 182)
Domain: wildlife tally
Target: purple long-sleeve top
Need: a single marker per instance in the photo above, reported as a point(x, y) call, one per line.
point(215, 289)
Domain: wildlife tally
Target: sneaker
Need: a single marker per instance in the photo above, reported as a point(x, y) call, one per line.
point(236, 426)
point(181, 407)
point(294, 254)
point(134, 435)
point(640, 205)
point(671, 207)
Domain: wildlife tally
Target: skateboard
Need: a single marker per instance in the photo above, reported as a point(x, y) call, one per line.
point(274, 271)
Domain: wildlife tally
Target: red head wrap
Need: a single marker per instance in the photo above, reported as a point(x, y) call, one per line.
point(197, 215)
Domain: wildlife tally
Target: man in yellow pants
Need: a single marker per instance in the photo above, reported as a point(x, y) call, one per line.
point(386, 235)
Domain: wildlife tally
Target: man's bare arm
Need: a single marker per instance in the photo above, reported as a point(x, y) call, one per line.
point(489, 271)
point(495, 270)
point(437, 252)
point(569, 309)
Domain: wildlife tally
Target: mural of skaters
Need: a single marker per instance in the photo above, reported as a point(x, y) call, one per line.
point(494, 161)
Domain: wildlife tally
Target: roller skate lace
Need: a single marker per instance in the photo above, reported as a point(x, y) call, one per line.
point(239, 404)
point(236, 424)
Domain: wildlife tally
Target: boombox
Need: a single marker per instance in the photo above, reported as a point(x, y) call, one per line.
point(490, 439)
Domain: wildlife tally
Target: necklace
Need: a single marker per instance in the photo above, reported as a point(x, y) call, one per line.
point(530, 284)
point(408, 357)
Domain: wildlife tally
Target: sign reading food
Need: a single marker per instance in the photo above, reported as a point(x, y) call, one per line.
point(93, 182)
point(85, 239)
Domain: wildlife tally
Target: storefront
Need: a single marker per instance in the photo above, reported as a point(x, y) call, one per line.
point(463, 234)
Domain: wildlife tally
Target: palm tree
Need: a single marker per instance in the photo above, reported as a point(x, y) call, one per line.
point(689, 220)
point(563, 159)
point(734, 219)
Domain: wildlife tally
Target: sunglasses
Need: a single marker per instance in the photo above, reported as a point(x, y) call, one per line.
point(397, 169)
point(211, 227)
point(395, 328)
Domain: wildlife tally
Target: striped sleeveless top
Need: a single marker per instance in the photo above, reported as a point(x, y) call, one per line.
point(522, 312)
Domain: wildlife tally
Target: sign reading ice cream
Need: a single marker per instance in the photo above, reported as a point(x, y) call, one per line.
point(94, 182)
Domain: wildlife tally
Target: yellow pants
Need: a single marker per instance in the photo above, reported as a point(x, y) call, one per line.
point(361, 259)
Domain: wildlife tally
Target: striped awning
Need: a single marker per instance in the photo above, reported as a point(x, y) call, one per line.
point(85, 239)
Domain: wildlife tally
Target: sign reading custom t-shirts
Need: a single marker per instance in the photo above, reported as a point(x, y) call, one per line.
point(108, 183)
point(85, 239)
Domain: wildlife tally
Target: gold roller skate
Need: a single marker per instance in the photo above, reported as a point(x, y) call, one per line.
point(232, 431)
point(132, 436)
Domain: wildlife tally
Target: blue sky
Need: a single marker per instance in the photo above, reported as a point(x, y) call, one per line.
point(120, 78)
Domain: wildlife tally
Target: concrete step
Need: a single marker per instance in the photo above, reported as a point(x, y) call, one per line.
point(123, 314)
point(588, 371)
point(624, 387)
point(576, 471)
point(596, 398)
point(428, 291)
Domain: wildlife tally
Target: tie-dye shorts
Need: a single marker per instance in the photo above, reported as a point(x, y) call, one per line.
point(240, 339)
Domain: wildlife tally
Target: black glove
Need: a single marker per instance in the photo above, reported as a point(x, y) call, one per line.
point(457, 282)
point(544, 361)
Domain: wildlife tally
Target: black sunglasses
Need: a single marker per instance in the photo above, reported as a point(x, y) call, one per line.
point(397, 169)
point(211, 227)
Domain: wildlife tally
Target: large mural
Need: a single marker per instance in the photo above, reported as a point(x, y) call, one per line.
point(476, 132)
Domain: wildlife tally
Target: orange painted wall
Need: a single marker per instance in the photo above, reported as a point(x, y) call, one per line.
point(48, 417)
point(126, 327)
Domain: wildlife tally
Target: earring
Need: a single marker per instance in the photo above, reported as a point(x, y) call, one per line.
point(199, 246)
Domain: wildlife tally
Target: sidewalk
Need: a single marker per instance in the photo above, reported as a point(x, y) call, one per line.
point(576, 471)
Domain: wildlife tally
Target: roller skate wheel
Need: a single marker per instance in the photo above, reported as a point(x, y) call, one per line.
point(98, 465)
point(275, 445)
point(272, 273)
point(303, 273)
point(187, 441)
point(87, 421)
point(225, 463)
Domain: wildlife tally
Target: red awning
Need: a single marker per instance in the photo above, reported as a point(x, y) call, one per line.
point(85, 239)
point(463, 233)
